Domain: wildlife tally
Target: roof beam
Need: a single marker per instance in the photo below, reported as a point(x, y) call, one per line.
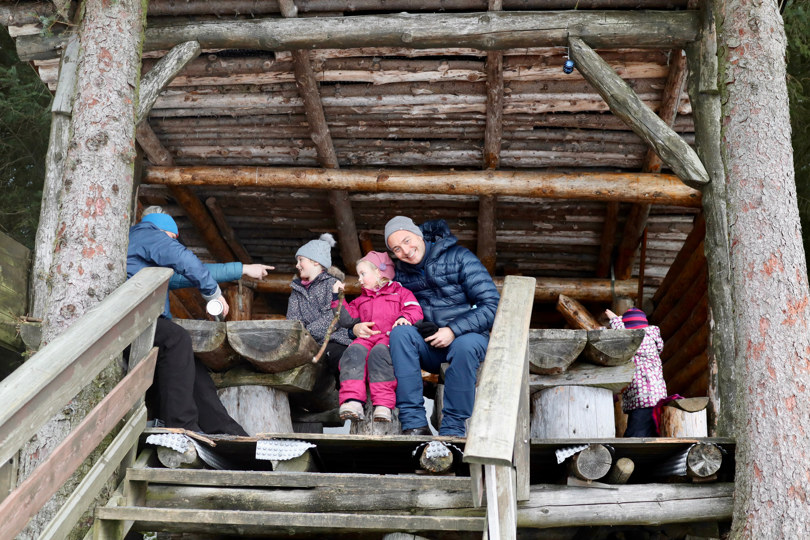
point(307, 85)
point(637, 220)
point(664, 189)
point(486, 31)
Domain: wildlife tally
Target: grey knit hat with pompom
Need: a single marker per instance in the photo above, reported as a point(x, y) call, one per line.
point(319, 250)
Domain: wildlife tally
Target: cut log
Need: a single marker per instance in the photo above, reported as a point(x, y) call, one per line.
point(551, 351)
point(693, 404)
point(568, 412)
point(258, 409)
point(678, 423)
point(369, 427)
point(703, 460)
point(434, 459)
point(592, 463)
point(272, 346)
point(303, 463)
point(620, 472)
point(208, 340)
point(172, 459)
point(613, 378)
point(300, 379)
point(612, 347)
point(576, 314)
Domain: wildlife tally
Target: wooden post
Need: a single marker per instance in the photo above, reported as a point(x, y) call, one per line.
point(592, 463)
point(705, 97)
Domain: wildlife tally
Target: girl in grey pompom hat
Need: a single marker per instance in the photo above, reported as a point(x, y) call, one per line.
point(311, 296)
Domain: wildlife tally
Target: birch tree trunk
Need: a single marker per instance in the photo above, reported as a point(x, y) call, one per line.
point(93, 204)
point(769, 275)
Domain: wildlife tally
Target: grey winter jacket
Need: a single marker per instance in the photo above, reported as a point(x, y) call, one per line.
point(312, 306)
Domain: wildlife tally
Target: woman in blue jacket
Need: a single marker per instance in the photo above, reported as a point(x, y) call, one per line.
point(458, 295)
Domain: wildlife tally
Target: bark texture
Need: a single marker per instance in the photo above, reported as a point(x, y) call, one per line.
point(769, 276)
point(93, 203)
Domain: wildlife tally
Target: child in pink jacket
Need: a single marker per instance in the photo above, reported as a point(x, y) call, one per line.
point(383, 304)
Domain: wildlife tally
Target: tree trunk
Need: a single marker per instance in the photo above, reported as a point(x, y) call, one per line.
point(90, 230)
point(769, 275)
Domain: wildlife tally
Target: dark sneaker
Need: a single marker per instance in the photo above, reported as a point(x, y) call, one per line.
point(424, 430)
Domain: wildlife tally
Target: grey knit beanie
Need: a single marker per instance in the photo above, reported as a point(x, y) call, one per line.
point(401, 223)
point(319, 250)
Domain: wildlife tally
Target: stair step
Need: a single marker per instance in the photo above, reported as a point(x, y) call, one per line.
point(258, 522)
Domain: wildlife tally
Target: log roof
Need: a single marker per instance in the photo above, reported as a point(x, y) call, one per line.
point(414, 109)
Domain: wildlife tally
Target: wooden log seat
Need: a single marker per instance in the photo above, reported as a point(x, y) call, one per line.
point(272, 346)
point(551, 351)
point(684, 418)
point(612, 347)
point(210, 343)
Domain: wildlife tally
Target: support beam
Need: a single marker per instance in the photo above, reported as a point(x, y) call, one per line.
point(625, 104)
point(608, 239)
point(661, 189)
point(546, 289)
point(185, 197)
point(637, 221)
point(705, 97)
point(487, 232)
point(490, 31)
point(159, 77)
point(307, 85)
point(227, 232)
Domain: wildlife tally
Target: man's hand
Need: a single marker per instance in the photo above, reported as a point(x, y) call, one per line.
point(225, 307)
point(337, 287)
point(442, 338)
point(256, 271)
point(401, 321)
point(363, 329)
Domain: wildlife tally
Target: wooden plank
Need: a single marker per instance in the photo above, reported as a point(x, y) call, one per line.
point(51, 378)
point(25, 501)
point(14, 266)
point(297, 480)
point(581, 374)
point(159, 77)
point(299, 379)
point(493, 31)
point(91, 485)
point(641, 504)
point(507, 502)
point(522, 457)
point(491, 435)
point(625, 104)
point(664, 189)
point(301, 521)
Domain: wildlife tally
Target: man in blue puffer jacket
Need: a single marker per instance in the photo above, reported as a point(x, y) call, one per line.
point(186, 395)
point(457, 294)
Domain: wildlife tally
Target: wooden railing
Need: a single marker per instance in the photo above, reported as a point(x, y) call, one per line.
point(497, 447)
point(51, 378)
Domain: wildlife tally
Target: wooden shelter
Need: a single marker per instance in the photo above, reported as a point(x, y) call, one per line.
point(264, 124)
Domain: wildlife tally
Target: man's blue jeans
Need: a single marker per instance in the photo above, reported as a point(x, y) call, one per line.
point(411, 354)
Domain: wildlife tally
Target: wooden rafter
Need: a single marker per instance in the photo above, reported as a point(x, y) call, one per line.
point(348, 241)
point(228, 234)
point(661, 189)
point(493, 31)
point(159, 77)
point(625, 104)
point(493, 133)
point(637, 220)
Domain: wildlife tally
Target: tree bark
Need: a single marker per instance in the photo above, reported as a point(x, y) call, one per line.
point(91, 227)
point(769, 275)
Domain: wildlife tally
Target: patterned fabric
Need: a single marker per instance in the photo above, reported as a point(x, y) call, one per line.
point(647, 387)
point(312, 306)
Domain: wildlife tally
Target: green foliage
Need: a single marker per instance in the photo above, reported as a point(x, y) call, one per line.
point(24, 130)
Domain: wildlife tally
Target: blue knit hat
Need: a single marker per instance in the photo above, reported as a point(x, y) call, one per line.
point(162, 221)
point(634, 318)
point(319, 250)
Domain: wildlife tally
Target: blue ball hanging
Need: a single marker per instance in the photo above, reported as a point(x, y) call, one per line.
point(568, 67)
